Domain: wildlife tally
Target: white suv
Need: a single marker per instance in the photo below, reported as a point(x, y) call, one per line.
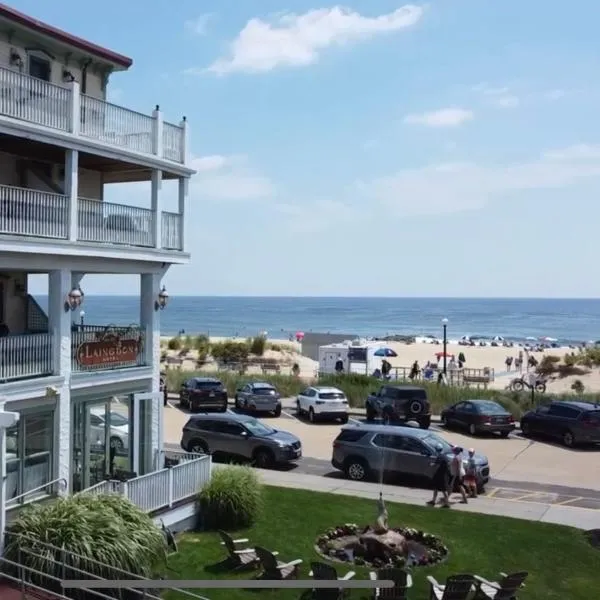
point(323, 403)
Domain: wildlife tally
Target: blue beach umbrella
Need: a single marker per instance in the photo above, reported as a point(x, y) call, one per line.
point(387, 352)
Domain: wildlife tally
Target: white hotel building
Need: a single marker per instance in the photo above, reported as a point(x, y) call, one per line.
point(87, 397)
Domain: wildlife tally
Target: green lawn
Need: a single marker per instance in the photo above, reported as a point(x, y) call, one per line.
point(561, 563)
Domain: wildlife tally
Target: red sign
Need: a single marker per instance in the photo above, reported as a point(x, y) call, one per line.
point(108, 352)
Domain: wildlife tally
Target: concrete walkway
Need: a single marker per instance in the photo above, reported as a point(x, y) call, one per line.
point(581, 518)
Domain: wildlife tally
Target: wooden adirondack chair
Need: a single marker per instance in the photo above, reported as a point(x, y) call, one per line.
point(506, 589)
point(402, 581)
point(325, 572)
point(239, 556)
point(275, 569)
point(457, 587)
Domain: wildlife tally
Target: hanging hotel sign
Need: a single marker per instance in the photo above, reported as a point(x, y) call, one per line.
point(110, 348)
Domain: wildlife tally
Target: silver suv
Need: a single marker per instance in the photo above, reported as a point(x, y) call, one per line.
point(240, 436)
point(363, 451)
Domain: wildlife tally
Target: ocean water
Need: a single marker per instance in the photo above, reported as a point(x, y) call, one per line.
point(516, 319)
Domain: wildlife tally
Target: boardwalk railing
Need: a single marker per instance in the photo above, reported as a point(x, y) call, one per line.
point(163, 488)
point(45, 104)
point(25, 356)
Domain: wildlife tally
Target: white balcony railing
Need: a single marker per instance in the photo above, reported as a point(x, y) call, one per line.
point(33, 213)
point(164, 488)
point(25, 356)
point(108, 223)
point(36, 101)
point(171, 232)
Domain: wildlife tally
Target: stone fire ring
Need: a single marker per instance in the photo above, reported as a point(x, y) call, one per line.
point(395, 547)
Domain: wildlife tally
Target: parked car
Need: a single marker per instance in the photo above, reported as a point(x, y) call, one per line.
point(202, 393)
point(399, 403)
point(118, 427)
point(258, 397)
point(571, 422)
point(478, 416)
point(322, 403)
point(366, 451)
point(241, 436)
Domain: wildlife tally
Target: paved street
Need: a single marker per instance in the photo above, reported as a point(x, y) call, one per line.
point(523, 471)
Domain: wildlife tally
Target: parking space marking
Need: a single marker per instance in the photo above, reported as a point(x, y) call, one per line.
point(290, 415)
point(169, 403)
point(492, 493)
point(567, 502)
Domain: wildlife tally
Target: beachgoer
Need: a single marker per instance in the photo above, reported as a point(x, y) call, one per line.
point(471, 474)
point(415, 370)
point(508, 363)
point(441, 478)
point(457, 470)
point(461, 360)
point(339, 365)
point(386, 367)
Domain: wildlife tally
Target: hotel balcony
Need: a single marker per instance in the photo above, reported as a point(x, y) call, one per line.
point(64, 109)
point(36, 214)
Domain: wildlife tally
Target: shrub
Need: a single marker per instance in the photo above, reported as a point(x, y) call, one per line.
point(230, 352)
point(174, 343)
point(232, 499)
point(548, 366)
point(258, 345)
point(201, 343)
point(104, 528)
point(578, 387)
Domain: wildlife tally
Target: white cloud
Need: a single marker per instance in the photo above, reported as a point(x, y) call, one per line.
point(199, 25)
point(445, 117)
point(452, 187)
point(500, 97)
point(293, 40)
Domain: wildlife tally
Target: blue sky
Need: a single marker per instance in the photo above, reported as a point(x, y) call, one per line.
point(371, 148)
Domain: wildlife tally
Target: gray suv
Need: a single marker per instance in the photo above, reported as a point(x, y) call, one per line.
point(240, 436)
point(363, 451)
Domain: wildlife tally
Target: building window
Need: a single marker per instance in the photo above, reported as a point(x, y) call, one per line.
point(40, 67)
point(29, 447)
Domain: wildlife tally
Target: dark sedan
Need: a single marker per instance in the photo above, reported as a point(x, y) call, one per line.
point(202, 393)
point(479, 416)
point(258, 397)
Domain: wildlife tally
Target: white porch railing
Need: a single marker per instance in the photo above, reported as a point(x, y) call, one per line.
point(108, 223)
point(25, 356)
point(34, 100)
point(34, 213)
point(161, 489)
point(172, 142)
point(171, 232)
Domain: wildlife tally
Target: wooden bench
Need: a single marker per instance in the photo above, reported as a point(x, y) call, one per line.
point(271, 368)
point(478, 380)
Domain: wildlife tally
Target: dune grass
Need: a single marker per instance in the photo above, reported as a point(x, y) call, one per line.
point(561, 562)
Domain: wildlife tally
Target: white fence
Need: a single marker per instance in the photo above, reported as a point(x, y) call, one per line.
point(163, 488)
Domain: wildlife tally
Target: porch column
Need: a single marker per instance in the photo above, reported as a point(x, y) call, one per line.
point(7, 419)
point(150, 323)
point(183, 195)
point(156, 206)
point(72, 189)
point(59, 286)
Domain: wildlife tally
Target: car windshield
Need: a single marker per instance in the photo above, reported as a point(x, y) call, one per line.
point(208, 385)
point(263, 389)
point(432, 441)
point(331, 396)
point(489, 408)
point(118, 420)
point(255, 427)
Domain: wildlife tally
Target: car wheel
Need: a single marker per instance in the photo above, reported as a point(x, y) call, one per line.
point(238, 405)
point(298, 409)
point(472, 429)
point(525, 429)
point(388, 418)
point(504, 434)
point(356, 469)
point(198, 447)
point(344, 419)
point(443, 421)
point(182, 403)
point(370, 413)
point(264, 458)
point(415, 409)
point(116, 443)
point(568, 439)
point(311, 415)
point(277, 412)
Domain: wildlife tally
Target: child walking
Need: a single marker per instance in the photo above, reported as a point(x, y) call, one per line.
point(471, 474)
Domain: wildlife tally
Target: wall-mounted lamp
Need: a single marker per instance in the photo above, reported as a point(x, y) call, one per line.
point(15, 59)
point(67, 76)
point(162, 299)
point(74, 299)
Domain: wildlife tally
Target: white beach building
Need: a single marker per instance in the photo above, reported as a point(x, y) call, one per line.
point(79, 404)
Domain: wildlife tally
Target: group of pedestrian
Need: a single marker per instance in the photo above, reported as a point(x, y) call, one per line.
point(456, 474)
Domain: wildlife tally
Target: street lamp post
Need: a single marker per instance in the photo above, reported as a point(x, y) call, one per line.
point(445, 326)
point(82, 317)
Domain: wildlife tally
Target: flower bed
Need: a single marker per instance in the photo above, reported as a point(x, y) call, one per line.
point(398, 547)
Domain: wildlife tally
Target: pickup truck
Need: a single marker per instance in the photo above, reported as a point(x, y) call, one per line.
point(399, 403)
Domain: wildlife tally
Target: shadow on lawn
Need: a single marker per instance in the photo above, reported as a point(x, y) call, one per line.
point(223, 566)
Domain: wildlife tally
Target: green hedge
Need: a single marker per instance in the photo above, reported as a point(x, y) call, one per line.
point(358, 387)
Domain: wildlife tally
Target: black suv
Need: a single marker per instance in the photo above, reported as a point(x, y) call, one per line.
point(201, 393)
point(399, 403)
point(571, 422)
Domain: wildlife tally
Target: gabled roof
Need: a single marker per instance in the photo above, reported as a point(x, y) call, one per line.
point(33, 24)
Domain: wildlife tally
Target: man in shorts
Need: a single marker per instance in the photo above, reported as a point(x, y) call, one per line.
point(457, 470)
point(471, 474)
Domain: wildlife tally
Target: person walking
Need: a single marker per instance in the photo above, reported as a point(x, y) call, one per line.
point(457, 471)
point(441, 478)
point(471, 474)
